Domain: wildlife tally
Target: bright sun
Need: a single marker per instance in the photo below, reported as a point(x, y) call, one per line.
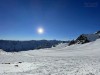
point(40, 30)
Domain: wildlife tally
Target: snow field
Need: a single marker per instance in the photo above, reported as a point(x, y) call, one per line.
point(62, 60)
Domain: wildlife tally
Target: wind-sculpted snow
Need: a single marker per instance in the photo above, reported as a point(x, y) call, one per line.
point(78, 59)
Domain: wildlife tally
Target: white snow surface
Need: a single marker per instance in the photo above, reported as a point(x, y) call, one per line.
point(77, 59)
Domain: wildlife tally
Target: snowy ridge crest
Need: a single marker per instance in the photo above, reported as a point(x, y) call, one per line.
point(85, 38)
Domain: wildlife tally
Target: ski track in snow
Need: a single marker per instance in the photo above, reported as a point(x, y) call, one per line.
point(73, 60)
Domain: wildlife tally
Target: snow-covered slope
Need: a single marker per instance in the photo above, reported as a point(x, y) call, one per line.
point(87, 49)
point(98, 32)
point(92, 37)
point(77, 59)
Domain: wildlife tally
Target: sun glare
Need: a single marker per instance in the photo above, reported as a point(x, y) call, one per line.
point(40, 30)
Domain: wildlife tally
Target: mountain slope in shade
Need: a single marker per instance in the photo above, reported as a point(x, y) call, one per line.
point(15, 46)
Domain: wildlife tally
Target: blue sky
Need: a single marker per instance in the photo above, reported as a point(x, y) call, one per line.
point(61, 19)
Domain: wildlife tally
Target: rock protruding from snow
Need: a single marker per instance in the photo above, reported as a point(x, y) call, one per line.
point(85, 38)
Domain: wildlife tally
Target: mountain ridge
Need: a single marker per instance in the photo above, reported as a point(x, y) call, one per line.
point(85, 38)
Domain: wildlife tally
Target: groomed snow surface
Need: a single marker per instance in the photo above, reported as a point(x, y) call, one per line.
point(78, 59)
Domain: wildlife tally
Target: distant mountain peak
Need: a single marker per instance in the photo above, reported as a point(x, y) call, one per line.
point(98, 32)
